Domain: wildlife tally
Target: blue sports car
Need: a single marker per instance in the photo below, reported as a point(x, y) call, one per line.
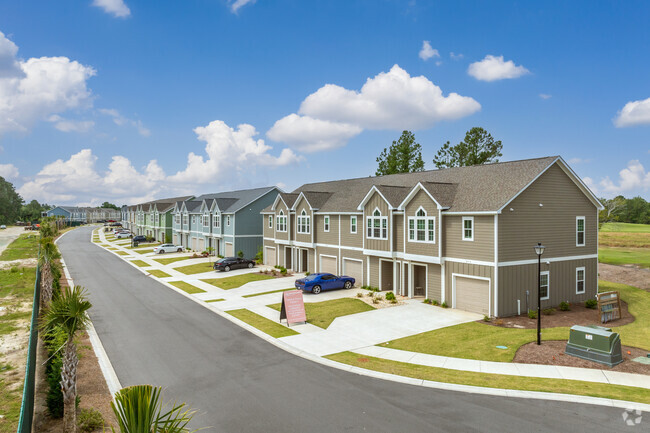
point(316, 282)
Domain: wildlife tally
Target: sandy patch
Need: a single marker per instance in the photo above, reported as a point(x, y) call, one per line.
point(21, 263)
point(626, 274)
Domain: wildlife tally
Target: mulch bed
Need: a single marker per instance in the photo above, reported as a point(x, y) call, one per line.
point(552, 353)
point(578, 315)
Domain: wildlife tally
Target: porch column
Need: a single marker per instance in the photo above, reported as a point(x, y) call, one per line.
point(410, 280)
point(395, 277)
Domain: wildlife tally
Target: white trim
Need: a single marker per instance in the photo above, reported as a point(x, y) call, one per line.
point(247, 236)
point(470, 262)
point(293, 208)
point(339, 213)
point(486, 212)
point(356, 225)
point(367, 198)
point(380, 267)
point(307, 224)
point(274, 249)
point(584, 231)
point(496, 265)
point(548, 285)
point(372, 219)
point(320, 261)
point(426, 219)
point(553, 259)
point(343, 272)
point(469, 218)
point(413, 192)
point(584, 277)
point(528, 184)
point(453, 289)
point(581, 185)
point(404, 256)
point(326, 223)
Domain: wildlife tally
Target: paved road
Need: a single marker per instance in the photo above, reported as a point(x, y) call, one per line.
point(241, 383)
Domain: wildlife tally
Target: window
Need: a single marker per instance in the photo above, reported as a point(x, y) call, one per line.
point(281, 222)
point(216, 221)
point(580, 231)
point(177, 219)
point(468, 228)
point(421, 227)
point(185, 219)
point(193, 219)
point(304, 223)
point(544, 283)
point(228, 220)
point(206, 220)
point(353, 224)
point(580, 280)
point(270, 221)
point(377, 226)
point(327, 223)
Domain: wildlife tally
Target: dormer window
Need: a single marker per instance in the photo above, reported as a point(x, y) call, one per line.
point(421, 227)
point(304, 223)
point(377, 226)
point(281, 222)
point(216, 221)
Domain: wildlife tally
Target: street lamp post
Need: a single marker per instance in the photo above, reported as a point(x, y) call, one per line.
point(539, 250)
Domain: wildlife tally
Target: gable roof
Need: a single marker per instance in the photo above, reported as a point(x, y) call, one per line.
point(232, 201)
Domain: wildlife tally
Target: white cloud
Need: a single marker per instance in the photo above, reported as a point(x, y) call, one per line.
point(8, 171)
point(632, 179)
point(427, 51)
point(493, 68)
point(579, 161)
point(390, 100)
point(120, 120)
point(545, 96)
point(117, 8)
point(634, 113)
point(43, 86)
point(455, 56)
point(237, 4)
point(67, 125)
point(307, 134)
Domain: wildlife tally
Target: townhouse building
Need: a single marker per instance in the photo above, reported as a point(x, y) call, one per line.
point(83, 215)
point(225, 222)
point(463, 235)
point(152, 218)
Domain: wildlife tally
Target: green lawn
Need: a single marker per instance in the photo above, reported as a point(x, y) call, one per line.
point(197, 268)
point(625, 228)
point(267, 293)
point(265, 325)
point(143, 244)
point(171, 260)
point(144, 251)
point(592, 389)
point(122, 253)
point(216, 300)
point(24, 247)
point(140, 263)
point(236, 280)
point(622, 256)
point(322, 314)
point(158, 273)
point(186, 287)
point(476, 340)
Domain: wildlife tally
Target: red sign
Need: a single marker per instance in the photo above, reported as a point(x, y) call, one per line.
point(293, 307)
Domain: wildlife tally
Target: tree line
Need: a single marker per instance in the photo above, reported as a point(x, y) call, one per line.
point(634, 210)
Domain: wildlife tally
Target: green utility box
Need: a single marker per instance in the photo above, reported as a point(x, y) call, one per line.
point(595, 343)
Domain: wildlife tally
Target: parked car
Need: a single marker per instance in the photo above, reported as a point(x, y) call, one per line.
point(139, 238)
point(228, 263)
point(167, 248)
point(2, 227)
point(315, 283)
point(123, 235)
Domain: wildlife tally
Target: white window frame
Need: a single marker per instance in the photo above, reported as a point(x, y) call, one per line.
point(206, 224)
point(471, 238)
point(228, 220)
point(584, 231)
point(353, 225)
point(281, 222)
point(217, 221)
point(427, 222)
point(578, 280)
point(186, 220)
point(177, 219)
point(326, 223)
point(304, 226)
point(270, 221)
point(377, 222)
point(548, 285)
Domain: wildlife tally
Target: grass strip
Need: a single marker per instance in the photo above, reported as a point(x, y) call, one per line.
point(144, 251)
point(267, 293)
point(625, 228)
point(624, 256)
point(186, 287)
point(322, 314)
point(171, 260)
point(197, 268)
point(236, 280)
point(140, 263)
point(215, 300)
point(265, 325)
point(488, 380)
point(158, 273)
point(121, 253)
point(24, 246)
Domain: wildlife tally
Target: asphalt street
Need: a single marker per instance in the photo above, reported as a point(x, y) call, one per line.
point(240, 383)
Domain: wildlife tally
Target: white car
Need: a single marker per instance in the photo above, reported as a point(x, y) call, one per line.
point(3, 227)
point(167, 248)
point(122, 235)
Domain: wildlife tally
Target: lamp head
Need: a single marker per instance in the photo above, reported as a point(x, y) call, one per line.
point(539, 249)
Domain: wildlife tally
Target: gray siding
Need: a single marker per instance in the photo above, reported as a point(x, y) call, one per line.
point(398, 239)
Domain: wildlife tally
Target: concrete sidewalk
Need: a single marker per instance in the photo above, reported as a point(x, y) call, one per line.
point(361, 332)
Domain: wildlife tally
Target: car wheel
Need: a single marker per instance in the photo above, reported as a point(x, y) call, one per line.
point(180, 250)
point(250, 265)
point(227, 268)
point(161, 252)
point(315, 290)
point(347, 285)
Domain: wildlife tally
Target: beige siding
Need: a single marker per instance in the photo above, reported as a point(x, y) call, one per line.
point(377, 202)
point(434, 287)
point(374, 271)
point(302, 205)
point(268, 232)
point(467, 269)
point(421, 199)
point(280, 235)
point(348, 238)
point(398, 238)
point(481, 248)
point(515, 280)
point(553, 224)
point(331, 237)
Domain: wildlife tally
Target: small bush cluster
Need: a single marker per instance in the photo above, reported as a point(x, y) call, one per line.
point(532, 314)
point(372, 289)
point(376, 299)
point(149, 239)
point(282, 269)
point(591, 303)
point(433, 302)
point(565, 306)
point(359, 295)
point(307, 274)
point(548, 311)
point(90, 420)
point(390, 296)
point(444, 305)
point(486, 318)
point(240, 254)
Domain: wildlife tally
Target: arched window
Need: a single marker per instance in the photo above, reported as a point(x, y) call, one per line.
point(304, 223)
point(377, 225)
point(421, 227)
point(281, 222)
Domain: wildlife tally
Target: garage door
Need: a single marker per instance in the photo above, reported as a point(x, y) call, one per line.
point(195, 244)
point(229, 249)
point(201, 245)
point(176, 240)
point(269, 256)
point(473, 295)
point(354, 269)
point(328, 264)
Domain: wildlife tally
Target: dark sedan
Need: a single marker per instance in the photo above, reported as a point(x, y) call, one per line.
point(229, 263)
point(316, 282)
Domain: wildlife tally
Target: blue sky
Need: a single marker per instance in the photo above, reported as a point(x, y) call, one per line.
point(126, 100)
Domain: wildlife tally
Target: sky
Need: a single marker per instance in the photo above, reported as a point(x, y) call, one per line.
point(128, 101)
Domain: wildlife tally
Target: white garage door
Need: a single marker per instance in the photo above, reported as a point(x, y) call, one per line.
point(473, 295)
point(354, 269)
point(229, 249)
point(176, 240)
point(201, 245)
point(328, 264)
point(195, 244)
point(269, 256)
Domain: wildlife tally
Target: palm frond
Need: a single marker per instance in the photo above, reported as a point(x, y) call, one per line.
point(68, 311)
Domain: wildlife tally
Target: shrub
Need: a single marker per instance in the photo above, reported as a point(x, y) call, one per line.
point(486, 319)
point(240, 254)
point(390, 296)
point(370, 295)
point(444, 305)
point(591, 303)
point(427, 301)
point(359, 295)
point(283, 271)
point(259, 257)
point(393, 301)
point(532, 314)
point(14, 269)
point(376, 299)
point(90, 420)
point(307, 274)
point(220, 256)
point(548, 311)
point(565, 306)
point(434, 302)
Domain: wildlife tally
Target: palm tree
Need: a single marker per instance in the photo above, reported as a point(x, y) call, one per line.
point(139, 409)
point(68, 312)
point(49, 253)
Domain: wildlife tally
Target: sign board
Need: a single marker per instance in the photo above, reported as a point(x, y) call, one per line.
point(609, 306)
point(293, 307)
